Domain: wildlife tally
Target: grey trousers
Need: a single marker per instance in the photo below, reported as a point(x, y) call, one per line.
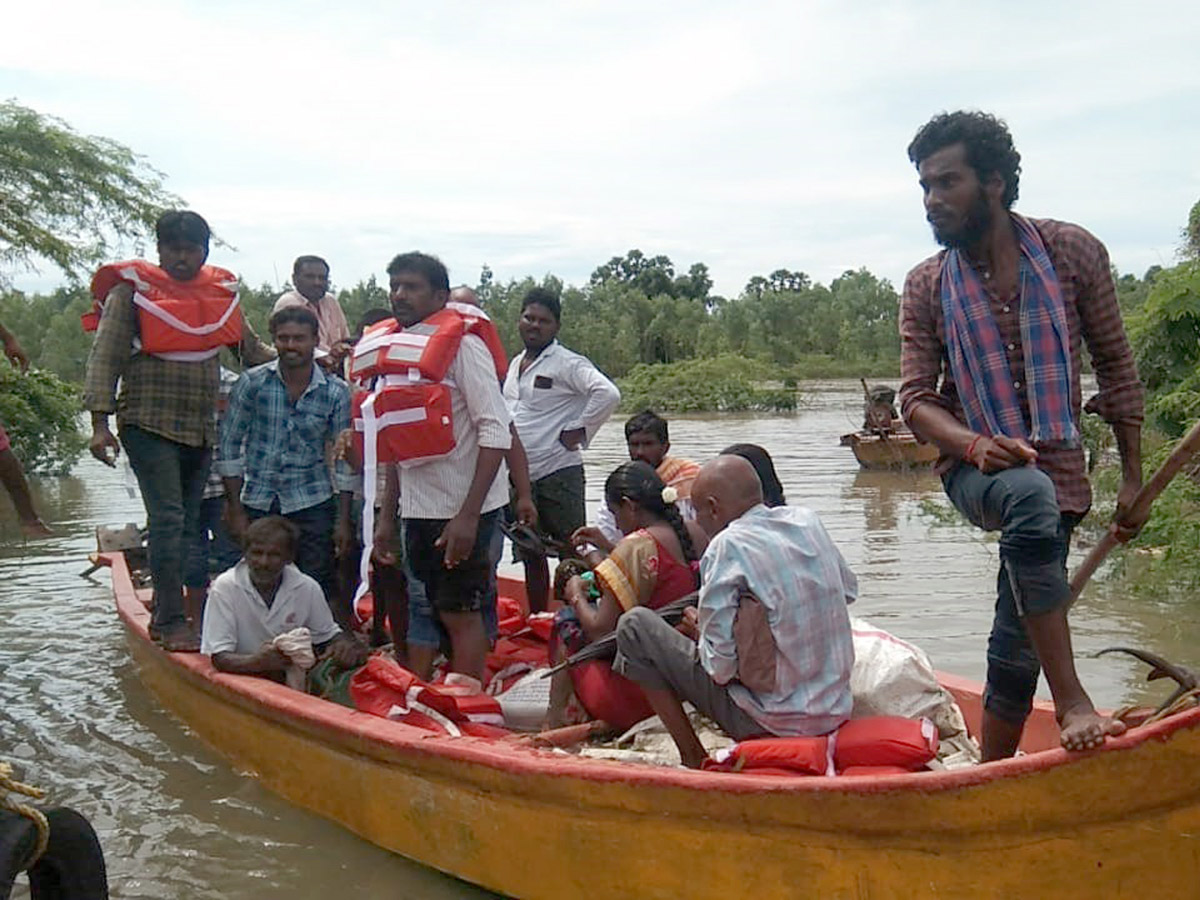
point(657, 657)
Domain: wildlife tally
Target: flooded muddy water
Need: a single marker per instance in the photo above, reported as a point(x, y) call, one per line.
point(176, 821)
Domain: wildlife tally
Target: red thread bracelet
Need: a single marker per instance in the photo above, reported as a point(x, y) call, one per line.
point(971, 449)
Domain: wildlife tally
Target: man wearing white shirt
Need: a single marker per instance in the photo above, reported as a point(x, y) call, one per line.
point(450, 504)
point(264, 596)
point(558, 400)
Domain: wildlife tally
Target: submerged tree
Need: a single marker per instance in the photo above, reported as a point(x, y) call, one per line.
point(66, 197)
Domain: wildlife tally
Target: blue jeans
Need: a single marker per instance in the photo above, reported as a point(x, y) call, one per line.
point(314, 552)
point(1035, 539)
point(212, 548)
point(171, 477)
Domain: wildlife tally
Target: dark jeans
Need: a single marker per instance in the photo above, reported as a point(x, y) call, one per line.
point(314, 553)
point(172, 477)
point(212, 548)
point(1035, 539)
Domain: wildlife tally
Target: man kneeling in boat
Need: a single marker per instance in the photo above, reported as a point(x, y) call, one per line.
point(265, 596)
point(769, 651)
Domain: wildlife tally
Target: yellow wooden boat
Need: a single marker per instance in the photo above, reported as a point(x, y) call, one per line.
point(891, 450)
point(1120, 822)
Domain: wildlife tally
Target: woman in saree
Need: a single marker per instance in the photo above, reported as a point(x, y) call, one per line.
point(655, 563)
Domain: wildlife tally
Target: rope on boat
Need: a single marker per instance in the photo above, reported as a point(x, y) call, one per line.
point(8, 785)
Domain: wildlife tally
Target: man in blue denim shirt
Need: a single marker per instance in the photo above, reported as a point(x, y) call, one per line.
point(282, 417)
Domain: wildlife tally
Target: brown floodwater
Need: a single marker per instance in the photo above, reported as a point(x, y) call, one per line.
point(177, 821)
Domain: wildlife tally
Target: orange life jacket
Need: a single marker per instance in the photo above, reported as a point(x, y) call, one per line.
point(180, 320)
point(408, 411)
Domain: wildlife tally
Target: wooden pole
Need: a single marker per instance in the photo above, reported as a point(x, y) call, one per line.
point(1184, 451)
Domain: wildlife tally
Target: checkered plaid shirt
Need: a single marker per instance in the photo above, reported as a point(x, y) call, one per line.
point(175, 400)
point(1093, 317)
point(278, 447)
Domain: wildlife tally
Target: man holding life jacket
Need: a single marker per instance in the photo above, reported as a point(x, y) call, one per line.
point(281, 420)
point(310, 277)
point(159, 331)
point(558, 401)
point(768, 649)
point(999, 317)
point(438, 412)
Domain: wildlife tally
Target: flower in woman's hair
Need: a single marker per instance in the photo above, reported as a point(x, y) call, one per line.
point(669, 494)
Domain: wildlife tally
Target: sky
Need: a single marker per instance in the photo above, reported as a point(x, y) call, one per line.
point(541, 137)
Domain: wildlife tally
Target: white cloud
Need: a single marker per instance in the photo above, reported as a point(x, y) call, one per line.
point(538, 136)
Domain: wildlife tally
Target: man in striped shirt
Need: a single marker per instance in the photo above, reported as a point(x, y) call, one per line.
point(769, 651)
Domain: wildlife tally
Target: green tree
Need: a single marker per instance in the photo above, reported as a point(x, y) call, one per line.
point(41, 413)
point(66, 197)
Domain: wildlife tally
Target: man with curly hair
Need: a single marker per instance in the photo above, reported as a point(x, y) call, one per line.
point(999, 318)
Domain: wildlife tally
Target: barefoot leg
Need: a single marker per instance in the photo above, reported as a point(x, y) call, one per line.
point(1082, 728)
point(668, 708)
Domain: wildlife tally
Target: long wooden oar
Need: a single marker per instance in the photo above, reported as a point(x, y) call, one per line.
point(1180, 456)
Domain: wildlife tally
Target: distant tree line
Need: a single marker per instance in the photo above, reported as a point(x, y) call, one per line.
point(633, 310)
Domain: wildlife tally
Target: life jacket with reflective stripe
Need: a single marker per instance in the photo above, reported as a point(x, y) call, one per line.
point(407, 414)
point(178, 320)
point(387, 349)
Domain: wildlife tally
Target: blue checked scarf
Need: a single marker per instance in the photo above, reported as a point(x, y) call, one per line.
point(979, 360)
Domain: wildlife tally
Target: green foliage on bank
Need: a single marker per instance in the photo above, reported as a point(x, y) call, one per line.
point(721, 384)
point(40, 412)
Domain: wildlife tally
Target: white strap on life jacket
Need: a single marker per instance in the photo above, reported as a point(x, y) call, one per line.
point(415, 705)
point(178, 324)
point(145, 303)
point(178, 355)
point(370, 477)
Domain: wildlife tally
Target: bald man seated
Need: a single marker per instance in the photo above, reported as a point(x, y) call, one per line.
point(769, 650)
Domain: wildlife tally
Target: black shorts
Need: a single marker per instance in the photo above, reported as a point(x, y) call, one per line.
point(461, 589)
point(560, 504)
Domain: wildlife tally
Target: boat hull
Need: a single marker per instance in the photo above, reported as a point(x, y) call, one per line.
point(899, 450)
point(1118, 823)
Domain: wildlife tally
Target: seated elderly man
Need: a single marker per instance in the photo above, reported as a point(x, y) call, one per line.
point(769, 651)
point(266, 595)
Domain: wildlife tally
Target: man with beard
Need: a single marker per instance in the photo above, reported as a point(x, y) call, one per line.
point(558, 401)
point(999, 317)
point(310, 275)
point(281, 419)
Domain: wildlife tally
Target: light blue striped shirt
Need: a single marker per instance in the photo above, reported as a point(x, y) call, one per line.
point(787, 560)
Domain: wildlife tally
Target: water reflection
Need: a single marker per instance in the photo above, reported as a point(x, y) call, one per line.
point(176, 821)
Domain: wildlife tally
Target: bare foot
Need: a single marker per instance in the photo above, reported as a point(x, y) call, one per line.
point(1082, 728)
point(36, 528)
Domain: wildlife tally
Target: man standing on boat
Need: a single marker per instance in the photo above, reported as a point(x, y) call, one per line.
point(450, 431)
point(999, 317)
point(558, 401)
point(159, 330)
point(281, 420)
point(310, 277)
